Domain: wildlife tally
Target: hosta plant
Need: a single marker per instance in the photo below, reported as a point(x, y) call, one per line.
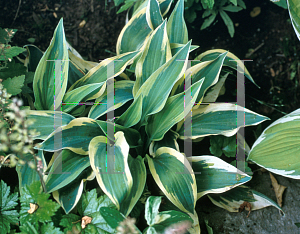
point(145, 92)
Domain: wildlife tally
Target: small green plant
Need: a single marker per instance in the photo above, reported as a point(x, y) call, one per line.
point(209, 9)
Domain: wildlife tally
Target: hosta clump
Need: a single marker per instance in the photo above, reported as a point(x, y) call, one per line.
point(146, 85)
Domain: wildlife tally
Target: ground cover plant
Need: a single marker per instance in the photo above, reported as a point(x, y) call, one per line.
point(150, 79)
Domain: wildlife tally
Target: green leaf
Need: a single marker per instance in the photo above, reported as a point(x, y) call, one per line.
point(13, 69)
point(123, 94)
point(66, 167)
point(8, 202)
point(44, 122)
point(82, 94)
point(45, 86)
point(176, 27)
point(277, 148)
point(209, 228)
point(46, 207)
point(90, 206)
point(157, 46)
point(234, 198)
point(112, 216)
point(213, 175)
point(234, 2)
point(209, 70)
point(230, 60)
point(156, 18)
point(75, 136)
point(228, 22)
point(139, 174)
point(173, 112)
point(11, 52)
point(135, 32)
point(132, 136)
point(49, 228)
point(34, 55)
point(208, 21)
point(221, 144)
point(14, 85)
point(281, 3)
point(108, 175)
point(69, 195)
point(70, 220)
point(174, 177)
point(297, 224)
point(107, 69)
point(294, 10)
point(219, 119)
point(151, 209)
point(169, 140)
point(127, 4)
point(26, 174)
point(209, 3)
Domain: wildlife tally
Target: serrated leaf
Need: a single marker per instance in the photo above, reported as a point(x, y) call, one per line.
point(11, 52)
point(46, 207)
point(7, 202)
point(14, 85)
point(12, 69)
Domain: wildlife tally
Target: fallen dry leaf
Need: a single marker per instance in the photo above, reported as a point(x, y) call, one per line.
point(255, 12)
point(247, 206)
point(85, 221)
point(278, 189)
point(33, 208)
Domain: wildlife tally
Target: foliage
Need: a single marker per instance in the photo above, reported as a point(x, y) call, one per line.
point(14, 75)
point(145, 134)
point(209, 8)
point(143, 91)
point(158, 222)
point(8, 202)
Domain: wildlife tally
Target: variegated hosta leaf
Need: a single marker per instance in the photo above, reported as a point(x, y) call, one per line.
point(231, 61)
point(45, 86)
point(33, 57)
point(123, 94)
point(175, 177)
point(105, 70)
point(176, 27)
point(220, 119)
point(233, 199)
point(156, 18)
point(169, 140)
point(132, 136)
point(294, 10)
point(26, 174)
point(80, 64)
point(213, 92)
point(82, 94)
point(69, 195)
point(155, 91)
point(213, 175)
point(156, 53)
point(139, 174)
point(75, 136)
point(175, 47)
point(172, 113)
point(66, 168)
point(44, 121)
point(209, 70)
point(277, 148)
point(164, 6)
point(116, 182)
point(135, 32)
